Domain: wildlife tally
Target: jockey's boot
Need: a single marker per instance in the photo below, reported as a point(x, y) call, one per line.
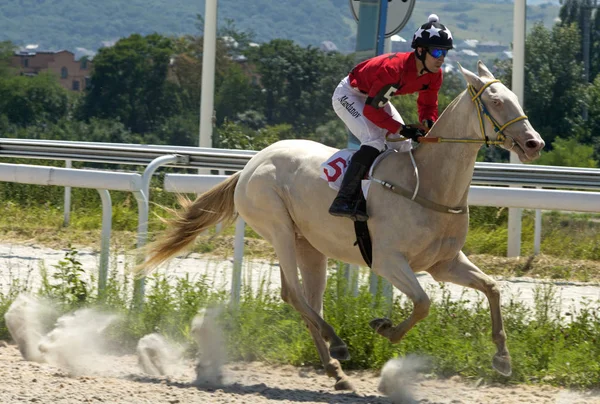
point(345, 203)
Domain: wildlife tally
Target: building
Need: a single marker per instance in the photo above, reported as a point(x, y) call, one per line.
point(491, 47)
point(400, 44)
point(328, 46)
point(72, 74)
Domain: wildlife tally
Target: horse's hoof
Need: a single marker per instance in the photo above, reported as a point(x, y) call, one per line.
point(381, 324)
point(339, 352)
point(502, 364)
point(344, 384)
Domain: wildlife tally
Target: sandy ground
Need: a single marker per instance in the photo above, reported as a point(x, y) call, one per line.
point(71, 365)
point(23, 381)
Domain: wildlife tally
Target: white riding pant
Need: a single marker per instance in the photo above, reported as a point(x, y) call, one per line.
point(348, 103)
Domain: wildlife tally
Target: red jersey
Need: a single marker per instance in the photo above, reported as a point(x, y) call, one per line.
point(392, 74)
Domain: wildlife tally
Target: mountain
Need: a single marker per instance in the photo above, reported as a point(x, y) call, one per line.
point(86, 25)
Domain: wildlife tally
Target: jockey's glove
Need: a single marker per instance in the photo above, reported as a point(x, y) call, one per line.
point(411, 132)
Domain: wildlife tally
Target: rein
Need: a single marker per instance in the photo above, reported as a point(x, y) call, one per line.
point(500, 138)
point(481, 112)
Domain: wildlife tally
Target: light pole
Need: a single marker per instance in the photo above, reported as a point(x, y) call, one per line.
point(209, 52)
point(518, 85)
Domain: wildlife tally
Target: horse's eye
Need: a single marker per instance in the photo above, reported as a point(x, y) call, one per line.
point(496, 102)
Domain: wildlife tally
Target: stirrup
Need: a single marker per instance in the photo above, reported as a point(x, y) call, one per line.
point(359, 215)
point(354, 213)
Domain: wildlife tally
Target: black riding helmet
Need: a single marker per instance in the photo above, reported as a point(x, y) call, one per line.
point(432, 34)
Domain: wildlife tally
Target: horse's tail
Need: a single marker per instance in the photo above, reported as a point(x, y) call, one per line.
point(214, 206)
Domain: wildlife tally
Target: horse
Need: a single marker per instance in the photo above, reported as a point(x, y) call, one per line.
point(280, 194)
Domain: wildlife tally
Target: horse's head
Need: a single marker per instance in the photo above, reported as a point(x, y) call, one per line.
point(501, 119)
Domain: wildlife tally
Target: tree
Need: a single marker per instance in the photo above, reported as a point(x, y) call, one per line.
point(232, 135)
point(234, 91)
point(298, 83)
point(570, 153)
point(38, 100)
point(6, 51)
point(553, 90)
point(130, 83)
point(573, 12)
point(589, 133)
point(235, 94)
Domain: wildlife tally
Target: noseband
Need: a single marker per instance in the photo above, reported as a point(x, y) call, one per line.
point(481, 112)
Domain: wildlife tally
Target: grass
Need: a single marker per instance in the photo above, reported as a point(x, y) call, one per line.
point(455, 337)
point(570, 248)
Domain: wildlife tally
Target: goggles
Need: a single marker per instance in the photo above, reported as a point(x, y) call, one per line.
point(437, 52)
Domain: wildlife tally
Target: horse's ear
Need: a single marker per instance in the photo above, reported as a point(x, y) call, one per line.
point(471, 78)
point(483, 71)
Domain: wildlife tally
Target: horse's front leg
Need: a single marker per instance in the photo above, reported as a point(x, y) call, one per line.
point(463, 272)
point(394, 267)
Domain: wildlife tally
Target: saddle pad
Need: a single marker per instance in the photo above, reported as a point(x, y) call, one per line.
point(334, 168)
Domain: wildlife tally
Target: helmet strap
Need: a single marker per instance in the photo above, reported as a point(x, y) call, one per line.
point(422, 58)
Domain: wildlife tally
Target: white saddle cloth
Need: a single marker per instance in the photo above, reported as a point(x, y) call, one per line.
point(334, 168)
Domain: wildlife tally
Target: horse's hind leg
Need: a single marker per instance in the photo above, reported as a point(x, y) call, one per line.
point(277, 227)
point(313, 268)
point(463, 272)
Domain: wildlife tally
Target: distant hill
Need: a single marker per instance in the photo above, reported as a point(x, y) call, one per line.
point(86, 25)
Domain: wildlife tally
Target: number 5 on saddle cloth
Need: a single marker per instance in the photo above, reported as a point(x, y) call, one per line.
point(332, 171)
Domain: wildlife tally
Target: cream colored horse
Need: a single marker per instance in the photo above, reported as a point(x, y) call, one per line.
point(279, 193)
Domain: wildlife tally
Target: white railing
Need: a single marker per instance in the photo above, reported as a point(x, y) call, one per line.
point(497, 174)
point(191, 157)
point(102, 181)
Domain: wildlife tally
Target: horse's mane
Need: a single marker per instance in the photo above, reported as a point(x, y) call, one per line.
point(454, 102)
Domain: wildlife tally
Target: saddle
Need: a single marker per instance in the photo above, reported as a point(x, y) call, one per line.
point(332, 171)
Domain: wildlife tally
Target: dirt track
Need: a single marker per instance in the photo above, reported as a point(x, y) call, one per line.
point(118, 379)
point(123, 382)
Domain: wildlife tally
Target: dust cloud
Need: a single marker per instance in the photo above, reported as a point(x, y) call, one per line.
point(159, 357)
point(398, 378)
point(209, 338)
point(78, 342)
point(75, 343)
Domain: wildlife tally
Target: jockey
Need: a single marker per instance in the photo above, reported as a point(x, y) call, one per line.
point(361, 100)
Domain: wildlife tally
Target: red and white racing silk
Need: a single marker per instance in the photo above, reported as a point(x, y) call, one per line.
point(392, 74)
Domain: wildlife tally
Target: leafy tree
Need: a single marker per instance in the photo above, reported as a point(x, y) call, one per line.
point(234, 90)
point(234, 94)
point(187, 67)
point(96, 130)
point(6, 51)
point(232, 135)
point(130, 83)
point(181, 130)
point(332, 133)
point(570, 153)
point(298, 83)
point(454, 84)
point(589, 133)
point(553, 100)
point(33, 100)
point(573, 12)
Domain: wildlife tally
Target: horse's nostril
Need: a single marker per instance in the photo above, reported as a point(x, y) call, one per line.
point(532, 144)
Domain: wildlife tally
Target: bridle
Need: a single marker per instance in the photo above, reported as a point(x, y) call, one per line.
point(500, 138)
point(481, 112)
